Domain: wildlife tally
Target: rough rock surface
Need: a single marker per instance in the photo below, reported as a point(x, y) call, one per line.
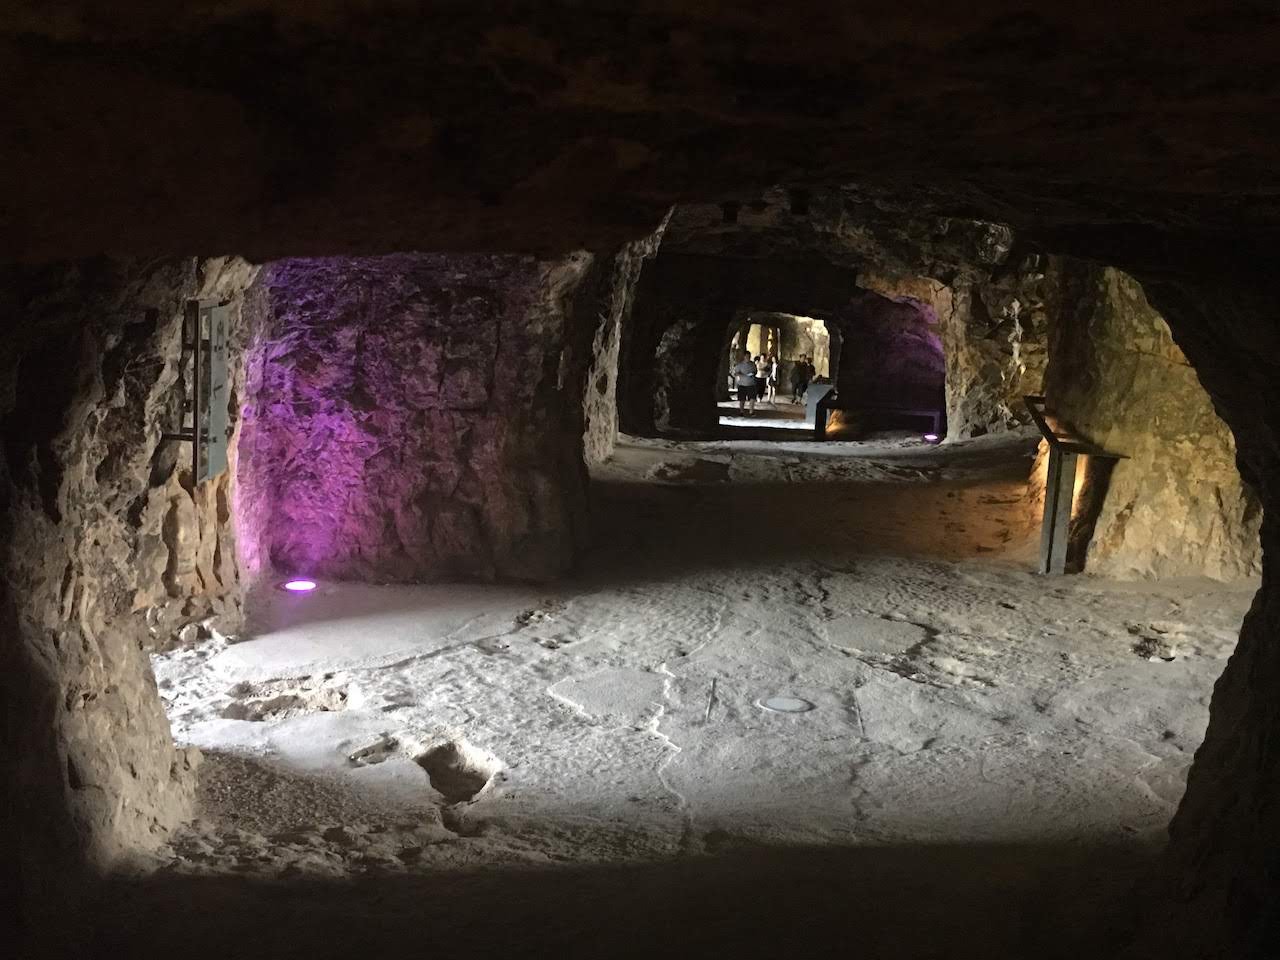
point(847, 226)
point(529, 127)
point(1176, 506)
point(600, 396)
point(995, 330)
point(107, 551)
point(415, 417)
point(1222, 881)
point(891, 353)
point(1148, 145)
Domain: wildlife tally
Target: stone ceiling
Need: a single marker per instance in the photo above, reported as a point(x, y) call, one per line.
point(848, 226)
point(270, 127)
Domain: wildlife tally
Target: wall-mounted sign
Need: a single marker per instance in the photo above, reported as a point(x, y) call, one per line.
point(206, 336)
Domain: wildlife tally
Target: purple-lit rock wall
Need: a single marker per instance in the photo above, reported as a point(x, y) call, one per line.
point(891, 353)
point(995, 327)
point(416, 416)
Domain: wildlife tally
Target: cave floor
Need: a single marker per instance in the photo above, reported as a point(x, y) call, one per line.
point(780, 414)
point(614, 722)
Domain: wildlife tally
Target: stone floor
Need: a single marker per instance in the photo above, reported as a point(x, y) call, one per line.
point(781, 414)
point(963, 721)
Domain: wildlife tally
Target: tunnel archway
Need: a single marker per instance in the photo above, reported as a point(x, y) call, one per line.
point(257, 696)
point(1175, 192)
point(893, 369)
point(788, 351)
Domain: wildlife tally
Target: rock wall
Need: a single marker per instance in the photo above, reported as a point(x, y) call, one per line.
point(686, 371)
point(1177, 505)
point(995, 325)
point(107, 551)
point(1221, 884)
point(600, 398)
point(998, 339)
point(891, 352)
point(415, 417)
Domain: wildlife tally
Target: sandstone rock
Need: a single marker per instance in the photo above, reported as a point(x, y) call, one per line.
point(892, 353)
point(524, 142)
point(995, 327)
point(1176, 505)
point(107, 546)
point(600, 396)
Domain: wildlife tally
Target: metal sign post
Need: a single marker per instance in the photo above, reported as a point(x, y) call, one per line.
point(1060, 487)
point(1059, 495)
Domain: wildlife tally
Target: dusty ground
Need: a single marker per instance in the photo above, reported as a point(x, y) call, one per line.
point(976, 732)
point(781, 414)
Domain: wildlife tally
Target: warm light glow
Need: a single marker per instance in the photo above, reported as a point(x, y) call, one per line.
point(1040, 471)
point(1082, 471)
point(839, 423)
point(299, 585)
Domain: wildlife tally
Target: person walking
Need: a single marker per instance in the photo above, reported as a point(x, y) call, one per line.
point(800, 377)
point(762, 377)
point(744, 374)
point(794, 376)
point(771, 381)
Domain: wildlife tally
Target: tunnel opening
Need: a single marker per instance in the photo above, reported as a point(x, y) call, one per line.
point(563, 626)
point(512, 649)
point(515, 649)
point(789, 353)
point(893, 373)
point(526, 634)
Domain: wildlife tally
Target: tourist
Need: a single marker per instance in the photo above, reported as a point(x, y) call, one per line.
point(744, 372)
point(762, 377)
point(771, 381)
point(801, 374)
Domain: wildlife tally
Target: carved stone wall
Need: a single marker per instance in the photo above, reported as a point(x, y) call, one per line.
point(995, 325)
point(891, 353)
point(108, 551)
point(1176, 505)
point(416, 417)
point(600, 398)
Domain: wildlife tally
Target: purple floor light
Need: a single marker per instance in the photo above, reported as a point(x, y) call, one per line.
point(931, 438)
point(299, 585)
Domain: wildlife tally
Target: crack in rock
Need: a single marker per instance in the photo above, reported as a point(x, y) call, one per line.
point(682, 802)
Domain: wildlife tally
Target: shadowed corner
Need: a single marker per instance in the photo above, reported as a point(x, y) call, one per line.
point(990, 902)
